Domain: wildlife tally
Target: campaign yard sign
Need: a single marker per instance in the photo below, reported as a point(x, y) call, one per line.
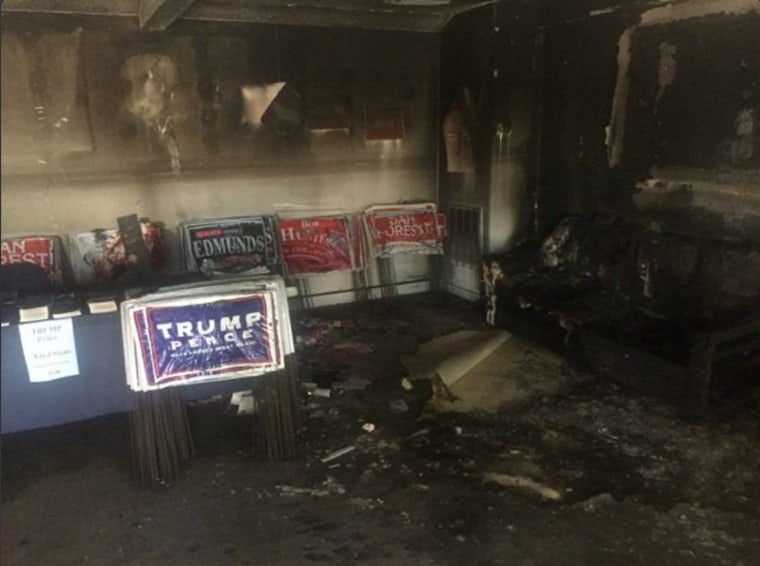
point(231, 244)
point(404, 229)
point(102, 255)
point(42, 251)
point(203, 338)
point(321, 244)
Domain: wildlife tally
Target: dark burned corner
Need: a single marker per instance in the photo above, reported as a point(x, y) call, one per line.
point(646, 264)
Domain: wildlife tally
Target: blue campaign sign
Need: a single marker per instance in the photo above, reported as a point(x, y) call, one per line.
point(185, 341)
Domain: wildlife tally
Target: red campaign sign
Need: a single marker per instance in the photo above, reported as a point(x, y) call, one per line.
point(417, 227)
point(318, 245)
point(39, 251)
point(413, 229)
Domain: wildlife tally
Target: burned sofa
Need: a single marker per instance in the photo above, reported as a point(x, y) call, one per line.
point(662, 313)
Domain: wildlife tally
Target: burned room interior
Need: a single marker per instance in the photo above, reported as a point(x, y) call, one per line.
point(383, 282)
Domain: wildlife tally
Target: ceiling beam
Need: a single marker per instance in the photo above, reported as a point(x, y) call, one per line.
point(157, 15)
point(72, 7)
point(319, 14)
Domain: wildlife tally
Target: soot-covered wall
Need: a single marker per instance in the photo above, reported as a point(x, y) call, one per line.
point(490, 70)
point(653, 117)
point(97, 161)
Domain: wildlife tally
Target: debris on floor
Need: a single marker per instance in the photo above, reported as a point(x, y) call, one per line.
point(597, 502)
point(353, 383)
point(354, 346)
point(450, 357)
point(398, 406)
point(515, 372)
point(534, 462)
point(321, 392)
point(326, 488)
point(483, 371)
point(337, 454)
point(522, 482)
point(244, 402)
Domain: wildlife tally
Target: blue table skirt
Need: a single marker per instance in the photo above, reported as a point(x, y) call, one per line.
point(99, 389)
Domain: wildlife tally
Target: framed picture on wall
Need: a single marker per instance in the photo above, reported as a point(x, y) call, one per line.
point(384, 124)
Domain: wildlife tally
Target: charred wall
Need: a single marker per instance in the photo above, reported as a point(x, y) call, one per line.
point(578, 88)
point(490, 66)
point(100, 163)
point(651, 115)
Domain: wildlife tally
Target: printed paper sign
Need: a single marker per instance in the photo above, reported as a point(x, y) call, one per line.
point(49, 349)
point(320, 245)
point(416, 229)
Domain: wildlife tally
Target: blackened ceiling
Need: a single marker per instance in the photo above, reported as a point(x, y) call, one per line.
point(400, 15)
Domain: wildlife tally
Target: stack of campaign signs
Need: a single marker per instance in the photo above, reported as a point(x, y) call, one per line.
point(206, 333)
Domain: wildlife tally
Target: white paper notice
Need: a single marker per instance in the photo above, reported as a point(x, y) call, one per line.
point(49, 349)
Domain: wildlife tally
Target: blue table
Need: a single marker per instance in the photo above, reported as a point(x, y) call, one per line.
point(99, 389)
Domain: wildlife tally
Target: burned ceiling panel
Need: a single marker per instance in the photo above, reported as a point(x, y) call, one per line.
point(160, 14)
point(399, 15)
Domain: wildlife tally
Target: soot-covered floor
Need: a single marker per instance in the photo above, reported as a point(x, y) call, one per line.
point(561, 469)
